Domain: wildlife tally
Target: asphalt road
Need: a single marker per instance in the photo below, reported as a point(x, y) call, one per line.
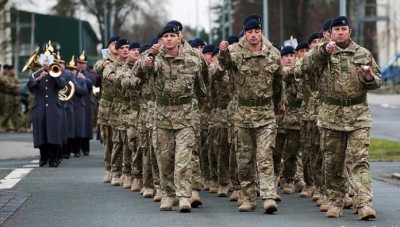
point(74, 195)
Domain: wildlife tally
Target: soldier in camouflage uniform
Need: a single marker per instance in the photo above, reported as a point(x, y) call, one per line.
point(176, 81)
point(131, 162)
point(344, 119)
point(11, 100)
point(111, 73)
point(105, 106)
point(258, 79)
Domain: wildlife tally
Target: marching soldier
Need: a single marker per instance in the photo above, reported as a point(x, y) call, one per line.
point(12, 100)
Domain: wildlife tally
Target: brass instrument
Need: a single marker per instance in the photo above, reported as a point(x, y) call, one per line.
point(33, 61)
point(55, 70)
point(67, 92)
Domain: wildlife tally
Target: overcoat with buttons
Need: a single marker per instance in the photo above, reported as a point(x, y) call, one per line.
point(80, 107)
point(91, 80)
point(47, 110)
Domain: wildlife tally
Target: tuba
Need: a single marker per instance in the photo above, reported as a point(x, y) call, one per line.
point(33, 61)
point(67, 92)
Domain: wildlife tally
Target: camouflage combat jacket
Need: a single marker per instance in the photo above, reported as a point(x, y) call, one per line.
point(291, 117)
point(177, 81)
point(258, 79)
point(344, 89)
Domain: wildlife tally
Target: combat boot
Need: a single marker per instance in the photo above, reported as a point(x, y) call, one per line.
point(213, 187)
point(324, 205)
point(184, 205)
point(277, 197)
point(288, 188)
point(316, 195)
point(167, 203)
point(149, 192)
point(116, 181)
point(107, 177)
point(157, 197)
point(127, 182)
point(234, 196)
point(299, 185)
point(195, 200)
point(206, 185)
point(366, 213)
point(136, 185)
point(240, 198)
point(348, 202)
point(334, 212)
point(307, 191)
point(223, 191)
point(247, 206)
point(270, 206)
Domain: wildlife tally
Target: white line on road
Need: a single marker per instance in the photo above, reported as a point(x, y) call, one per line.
point(14, 177)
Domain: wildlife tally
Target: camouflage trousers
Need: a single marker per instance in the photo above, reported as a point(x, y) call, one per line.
point(126, 153)
point(278, 153)
point(233, 173)
point(347, 149)
point(153, 158)
point(174, 156)
point(254, 150)
point(116, 153)
point(144, 147)
point(11, 112)
point(290, 156)
point(106, 137)
point(203, 147)
point(136, 156)
point(219, 155)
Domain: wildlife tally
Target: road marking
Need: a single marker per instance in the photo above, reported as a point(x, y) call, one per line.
point(14, 177)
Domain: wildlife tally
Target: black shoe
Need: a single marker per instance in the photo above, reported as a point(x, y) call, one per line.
point(77, 155)
point(53, 164)
point(42, 162)
point(66, 156)
point(85, 153)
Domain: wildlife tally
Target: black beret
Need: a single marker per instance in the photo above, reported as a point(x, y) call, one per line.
point(154, 40)
point(197, 42)
point(302, 45)
point(121, 42)
point(340, 21)
point(169, 28)
point(114, 38)
point(232, 39)
point(287, 50)
point(314, 35)
point(251, 17)
point(215, 51)
point(144, 47)
point(208, 49)
point(252, 24)
point(326, 25)
point(6, 66)
point(176, 23)
point(134, 45)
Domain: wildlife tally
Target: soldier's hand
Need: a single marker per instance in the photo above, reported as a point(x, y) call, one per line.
point(42, 75)
point(282, 109)
point(80, 75)
point(106, 62)
point(223, 46)
point(366, 72)
point(155, 49)
point(111, 76)
point(330, 47)
point(148, 61)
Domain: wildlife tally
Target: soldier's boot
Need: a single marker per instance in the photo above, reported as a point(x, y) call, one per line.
point(270, 206)
point(167, 203)
point(127, 181)
point(223, 190)
point(247, 205)
point(116, 180)
point(213, 187)
point(348, 202)
point(366, 213)
point(277, 197)
point(184, 205)
point(234, 196)
point(319, 202)
point(141, 191)
point(149, 192)
point(195, 200)
point(288, 188)
point(206, 185)
point(316, 195)
point(324, 205)
point(299, 185)
point(137, 185)
point(157, 197)
point(307, 191)
point(122, 178)
point(107, 177)
point(334, 212)
point(240, 198)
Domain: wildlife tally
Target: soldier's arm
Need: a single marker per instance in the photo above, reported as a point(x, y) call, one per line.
point(376, 81)
point(99, 67)
point(278, 89)
point(227, 59)
point(316, 60)
point(108, 70)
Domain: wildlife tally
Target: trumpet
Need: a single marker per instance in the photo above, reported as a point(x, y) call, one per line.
point(55, 70)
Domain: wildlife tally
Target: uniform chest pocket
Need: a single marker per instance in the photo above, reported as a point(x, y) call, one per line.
point(270, 66)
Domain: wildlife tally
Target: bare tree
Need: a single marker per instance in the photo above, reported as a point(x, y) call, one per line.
point(66, 8)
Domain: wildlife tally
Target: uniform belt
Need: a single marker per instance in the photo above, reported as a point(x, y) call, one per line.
point(220, 104)
point(295, 103)
point(255, 102)
point(172, 101)
point(345, 102)
point(107, 98)
point(135, 107)
point(117, 100)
